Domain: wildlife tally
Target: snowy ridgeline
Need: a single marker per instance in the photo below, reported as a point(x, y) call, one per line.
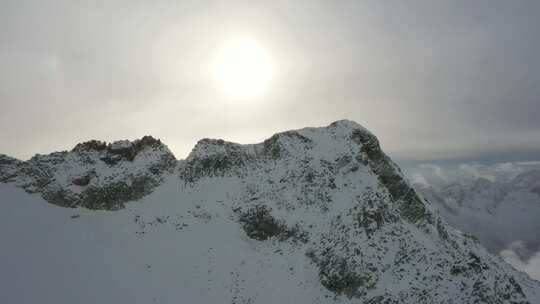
point(318, 215)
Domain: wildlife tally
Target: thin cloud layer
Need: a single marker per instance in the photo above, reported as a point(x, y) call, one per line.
point(439, 175)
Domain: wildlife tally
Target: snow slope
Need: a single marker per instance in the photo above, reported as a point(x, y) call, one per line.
point(317, 215)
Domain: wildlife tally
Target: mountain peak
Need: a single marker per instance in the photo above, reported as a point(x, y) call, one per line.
point(339, 131)
point(124, 148)
point(347, 124)
point(94, 174)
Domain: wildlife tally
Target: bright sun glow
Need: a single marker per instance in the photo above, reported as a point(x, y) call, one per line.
point(243, 69)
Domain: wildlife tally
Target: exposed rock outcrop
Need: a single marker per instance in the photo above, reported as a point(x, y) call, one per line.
point(94, 174)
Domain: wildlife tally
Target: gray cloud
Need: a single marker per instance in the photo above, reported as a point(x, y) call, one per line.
point(444, 79)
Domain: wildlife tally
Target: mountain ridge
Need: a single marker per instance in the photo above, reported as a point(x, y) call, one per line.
point(320, 214)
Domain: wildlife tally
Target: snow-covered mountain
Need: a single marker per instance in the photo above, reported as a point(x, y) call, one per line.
point(317, 215)
point(93, 175)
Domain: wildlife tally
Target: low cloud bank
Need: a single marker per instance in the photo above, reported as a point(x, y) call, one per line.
point(522, 259)
point(437, 175)
point(487, 210)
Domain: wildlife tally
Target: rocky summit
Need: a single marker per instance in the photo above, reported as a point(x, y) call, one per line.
point(95, 175)
point(316, 215)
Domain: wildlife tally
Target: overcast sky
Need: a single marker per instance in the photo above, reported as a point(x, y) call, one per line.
point(432, 79)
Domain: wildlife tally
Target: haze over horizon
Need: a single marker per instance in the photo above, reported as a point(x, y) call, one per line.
point(435, 81)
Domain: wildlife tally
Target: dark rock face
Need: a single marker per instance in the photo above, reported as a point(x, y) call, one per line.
point(83, 180)
point(259, 224)
point(6, 160)
point(214, 158)
point(471, 264)
point(114, 196)
point(274, 149)
point(118, 151)
point(8, 167)
point(341, 276)
point(345, 268)
point(536, 190)
point(412, 207)
point(507, 290)
point(92, 145)
point(373, 214)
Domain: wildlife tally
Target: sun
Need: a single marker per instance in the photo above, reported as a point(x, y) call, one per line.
point(243, 69)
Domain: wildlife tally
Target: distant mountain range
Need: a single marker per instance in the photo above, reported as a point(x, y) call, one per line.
point(499, 207)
